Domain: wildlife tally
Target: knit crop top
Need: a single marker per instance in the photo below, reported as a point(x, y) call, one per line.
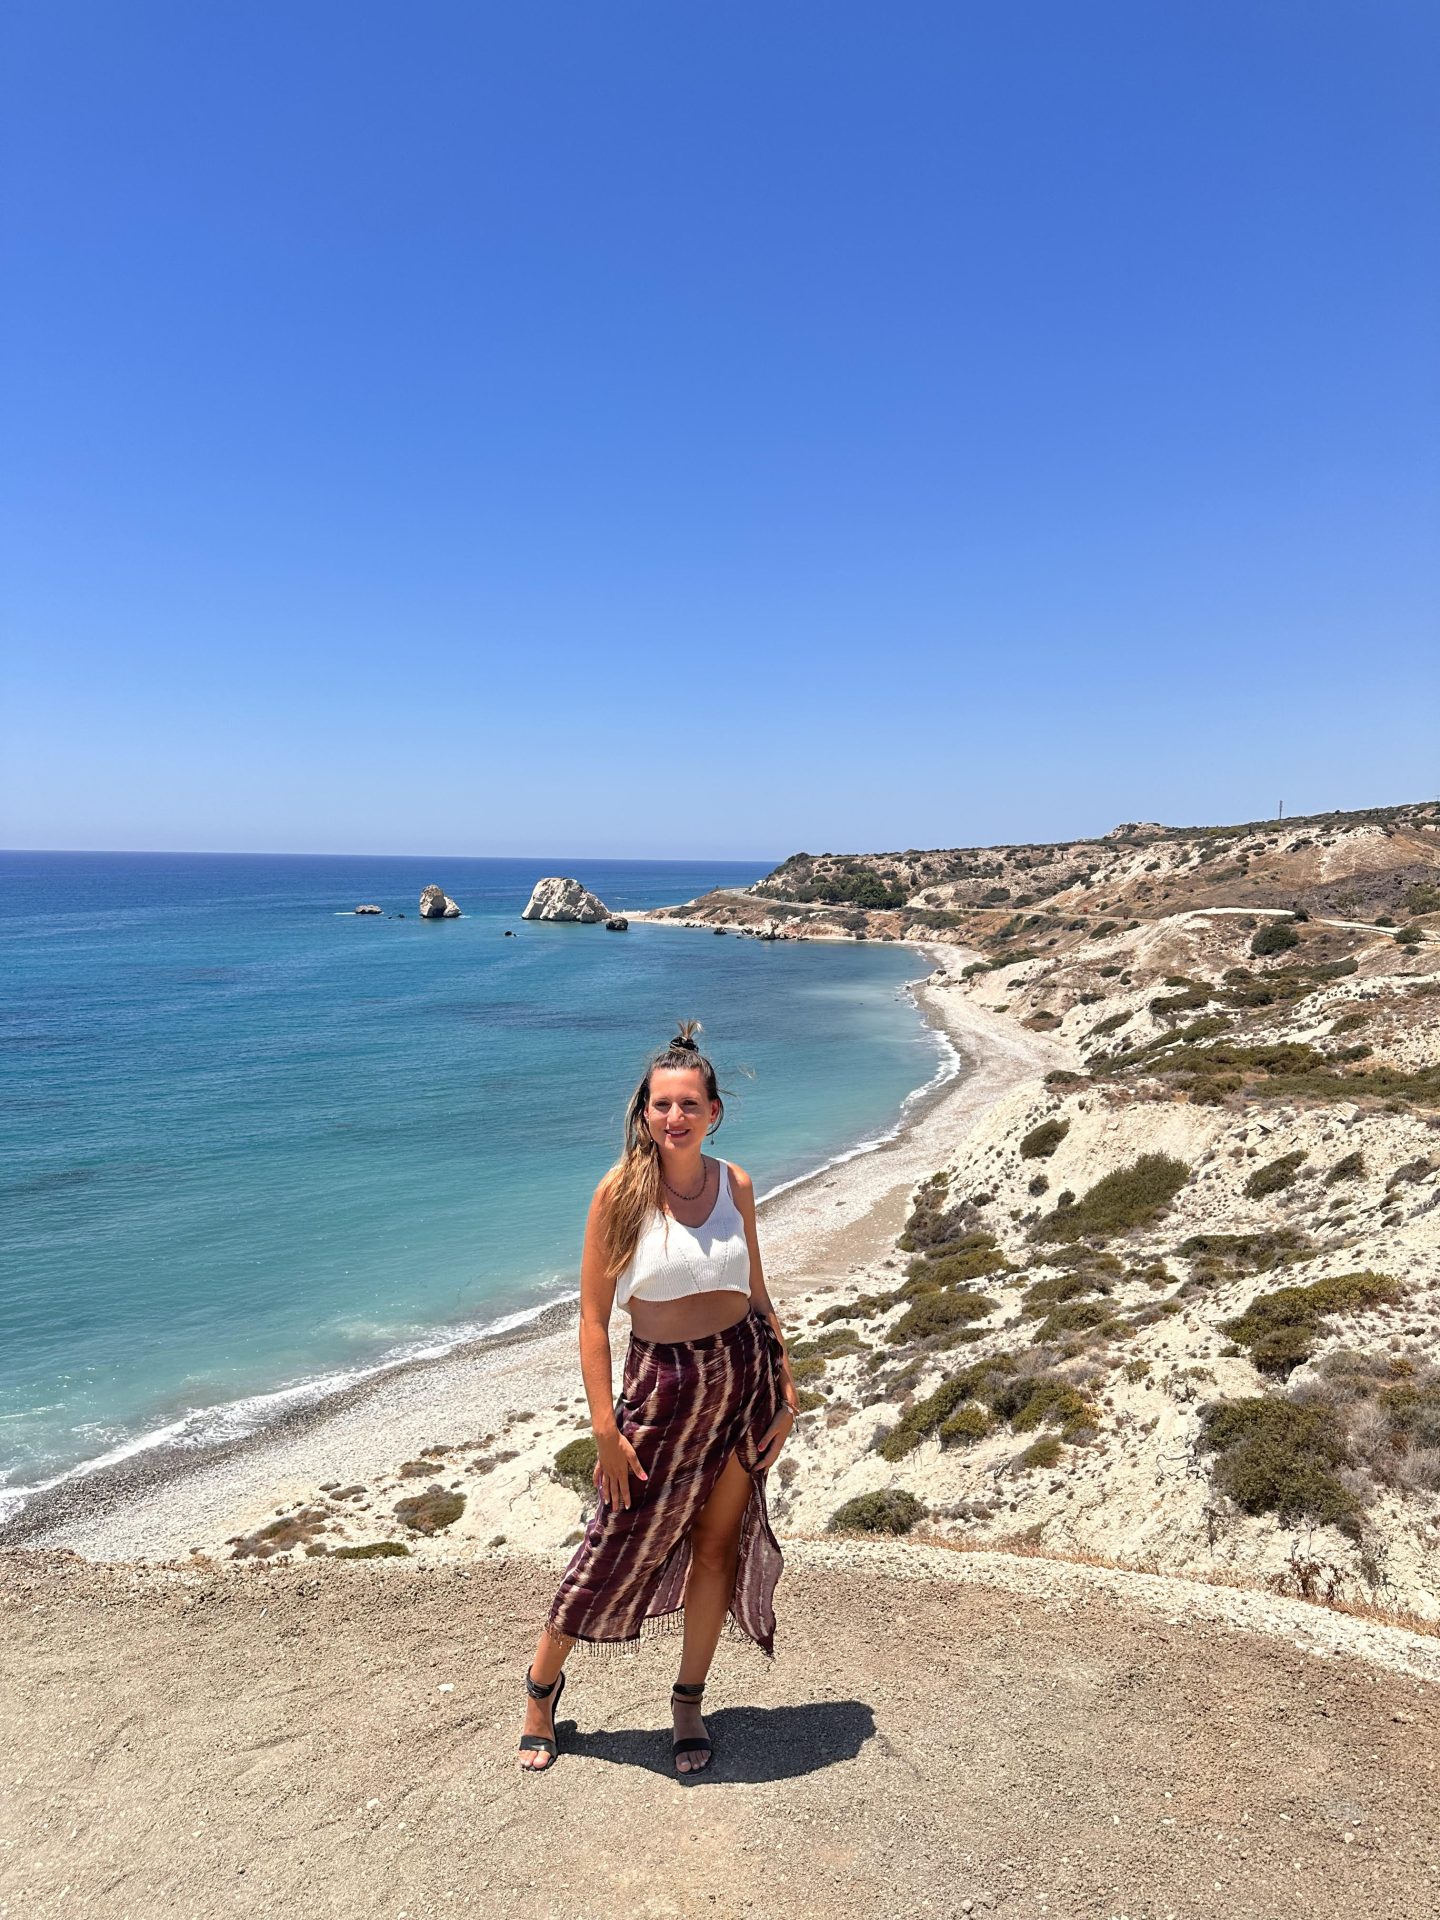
point(672, 1260)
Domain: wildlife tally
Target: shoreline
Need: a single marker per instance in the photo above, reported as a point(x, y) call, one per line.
point(164, 1501)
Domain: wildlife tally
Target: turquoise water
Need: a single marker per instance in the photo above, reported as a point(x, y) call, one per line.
point(254, 1145)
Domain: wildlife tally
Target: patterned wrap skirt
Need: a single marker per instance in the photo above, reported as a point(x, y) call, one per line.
point(685, 1406)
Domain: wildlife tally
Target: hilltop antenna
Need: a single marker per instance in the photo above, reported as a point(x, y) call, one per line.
point(1282, 810)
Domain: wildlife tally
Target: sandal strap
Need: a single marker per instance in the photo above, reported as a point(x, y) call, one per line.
point(536, 1691)
point(689, 1689)
point(538, 1742)
point(692, 1746)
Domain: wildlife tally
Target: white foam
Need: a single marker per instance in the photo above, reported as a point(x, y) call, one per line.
point(237, 1419)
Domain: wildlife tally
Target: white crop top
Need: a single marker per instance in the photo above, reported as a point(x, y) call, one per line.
point(672, 1260)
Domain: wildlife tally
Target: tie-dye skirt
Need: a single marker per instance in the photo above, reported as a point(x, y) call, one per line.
point(685, 1406)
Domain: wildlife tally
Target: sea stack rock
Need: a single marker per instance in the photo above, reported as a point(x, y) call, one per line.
point(617, 923)
point(557, 898)
point(436, 904)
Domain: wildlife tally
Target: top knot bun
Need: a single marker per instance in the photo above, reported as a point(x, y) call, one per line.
point(685, 1041)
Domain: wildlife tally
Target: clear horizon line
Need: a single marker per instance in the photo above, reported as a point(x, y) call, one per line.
point(320, 853)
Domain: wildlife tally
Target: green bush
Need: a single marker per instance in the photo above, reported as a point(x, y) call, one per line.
point(1046, 1295)
point(1173, 1005)
point(1279, 1328)
point(892, 1511)
point(1413, 1413)
point(937, 1313)
point(962, 1261)
point(1288, 1068)
point(834, 1340)
point(1275, 937)
point(1273, 1456)
point(1112, 1023)
point(1034, 1400)
point(927, 1416)
point(1080, 1316)
point(851, 889)
point(1044, 1452)
point(917, 1423)
point(1040, 1142)
point(1409, 936)
point(1350, 1168)
point(1250, 1252)
point(575, 1464)
point(431, 1511)
point(965, 1426)
point(1274, 1176)
point(863, 1307)
point(373, 1550)
point(935, 1220)
point(1129, 1197)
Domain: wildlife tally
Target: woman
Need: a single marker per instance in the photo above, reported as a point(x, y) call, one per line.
point(681, 1535)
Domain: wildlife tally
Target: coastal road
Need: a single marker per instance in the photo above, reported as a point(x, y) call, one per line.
point(814, 908)
point(340, 1742)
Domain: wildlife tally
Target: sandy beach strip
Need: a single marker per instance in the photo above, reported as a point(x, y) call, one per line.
point(520, 1392)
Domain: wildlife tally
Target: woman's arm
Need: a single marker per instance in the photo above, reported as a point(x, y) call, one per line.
point(616, 1457)
point(597, 1298)
point(744, 1191)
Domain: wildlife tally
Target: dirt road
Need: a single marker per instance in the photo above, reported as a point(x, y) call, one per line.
point(283, 1742)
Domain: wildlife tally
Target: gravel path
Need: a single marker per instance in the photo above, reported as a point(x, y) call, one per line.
point(339, 1741)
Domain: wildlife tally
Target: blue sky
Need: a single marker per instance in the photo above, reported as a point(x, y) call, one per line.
point(670, 428)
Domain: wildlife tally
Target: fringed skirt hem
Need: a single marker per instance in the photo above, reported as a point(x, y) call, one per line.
point(654, 1627)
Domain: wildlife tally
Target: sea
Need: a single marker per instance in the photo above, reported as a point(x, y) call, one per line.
point(254, 1146)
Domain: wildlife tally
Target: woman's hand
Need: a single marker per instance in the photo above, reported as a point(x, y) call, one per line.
point(617, 1461)
point(776, 1434)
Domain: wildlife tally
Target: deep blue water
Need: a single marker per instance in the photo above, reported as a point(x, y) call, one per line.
point(249, 1141)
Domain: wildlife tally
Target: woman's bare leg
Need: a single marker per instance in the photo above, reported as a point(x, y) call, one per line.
point(709, 1589)
point(545, 1667)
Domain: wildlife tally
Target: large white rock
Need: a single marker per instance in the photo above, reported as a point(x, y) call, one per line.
point(556, 898)
point(436, 904)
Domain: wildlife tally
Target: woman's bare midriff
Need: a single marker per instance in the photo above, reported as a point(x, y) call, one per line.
point(687, 1319)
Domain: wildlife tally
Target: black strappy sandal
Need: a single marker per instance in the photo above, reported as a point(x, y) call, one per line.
point(542, 1742)
point(691, 1691)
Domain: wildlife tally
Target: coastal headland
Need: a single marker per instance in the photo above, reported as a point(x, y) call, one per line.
point(1112, 1523)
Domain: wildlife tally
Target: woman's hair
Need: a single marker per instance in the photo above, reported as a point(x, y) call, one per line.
point(634, 1180)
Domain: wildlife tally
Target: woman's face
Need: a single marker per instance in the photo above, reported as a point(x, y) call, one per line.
point(679, 1115)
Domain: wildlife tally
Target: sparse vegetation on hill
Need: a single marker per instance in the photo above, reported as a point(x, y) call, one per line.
point(1228, 1180)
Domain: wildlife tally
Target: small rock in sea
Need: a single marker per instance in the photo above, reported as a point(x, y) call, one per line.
point(720, 931)
point(617, 923)
point(369, 909)
point(509, 934)
point(436, 904)
point(559, 898)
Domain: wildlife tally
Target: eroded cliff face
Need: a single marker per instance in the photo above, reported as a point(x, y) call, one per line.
point(559, 898)
point(436, 904)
